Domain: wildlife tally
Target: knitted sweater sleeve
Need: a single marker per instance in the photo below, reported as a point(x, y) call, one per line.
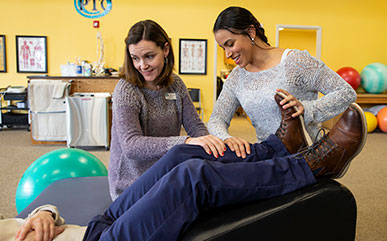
point(127, 123)
point(225, 107)
point(311, 73)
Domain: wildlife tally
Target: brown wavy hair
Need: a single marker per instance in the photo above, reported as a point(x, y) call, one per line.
point(151, 31)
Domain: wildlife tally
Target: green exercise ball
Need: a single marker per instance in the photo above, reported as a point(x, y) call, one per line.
point(53, 166)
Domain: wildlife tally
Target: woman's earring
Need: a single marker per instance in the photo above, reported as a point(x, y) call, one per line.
point(166, 60)
point(252, 41)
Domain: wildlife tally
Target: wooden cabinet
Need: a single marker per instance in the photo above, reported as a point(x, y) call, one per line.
point(85, 84)
point(371, 99)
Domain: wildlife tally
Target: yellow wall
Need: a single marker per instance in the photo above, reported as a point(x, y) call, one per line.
point(353, 31)
point(303, 39)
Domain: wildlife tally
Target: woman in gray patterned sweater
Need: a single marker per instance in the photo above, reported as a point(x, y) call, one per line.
point(262, 70)
point(150, 103)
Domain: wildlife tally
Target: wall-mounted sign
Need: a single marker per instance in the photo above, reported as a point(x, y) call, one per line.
point(93, 8)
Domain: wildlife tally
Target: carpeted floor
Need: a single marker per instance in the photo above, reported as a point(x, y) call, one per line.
point(366, 178)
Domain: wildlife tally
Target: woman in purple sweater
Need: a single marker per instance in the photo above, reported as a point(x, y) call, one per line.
point(150, 103)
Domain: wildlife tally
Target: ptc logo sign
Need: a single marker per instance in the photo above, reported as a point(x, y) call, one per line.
point(94, 8)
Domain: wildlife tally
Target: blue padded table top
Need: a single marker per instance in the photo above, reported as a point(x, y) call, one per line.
point(78, 199)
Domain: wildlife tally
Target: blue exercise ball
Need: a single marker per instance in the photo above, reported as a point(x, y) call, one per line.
point(53, 166)
point(374, 78)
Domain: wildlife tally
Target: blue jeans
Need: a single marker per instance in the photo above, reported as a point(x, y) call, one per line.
point(168, 197)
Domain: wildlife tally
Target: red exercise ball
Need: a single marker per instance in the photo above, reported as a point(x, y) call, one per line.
point(351, 76)
point(382, 119)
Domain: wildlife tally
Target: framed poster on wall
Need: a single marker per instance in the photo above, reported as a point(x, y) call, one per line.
point(3, 56)
point(193, 56)
point(31, 54)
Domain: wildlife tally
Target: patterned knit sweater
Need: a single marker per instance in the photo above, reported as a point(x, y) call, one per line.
point(146, 124)
point(298, 73)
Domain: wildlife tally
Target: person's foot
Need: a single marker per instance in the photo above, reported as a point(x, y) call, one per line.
point(333, 153)
point(292, 131)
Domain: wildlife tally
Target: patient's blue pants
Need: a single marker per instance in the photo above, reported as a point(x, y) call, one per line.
point(168, 197)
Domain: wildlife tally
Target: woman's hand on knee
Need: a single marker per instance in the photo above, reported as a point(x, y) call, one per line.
point(42, 225)
point(211, 144)
point(291, 101)
point(238, 145)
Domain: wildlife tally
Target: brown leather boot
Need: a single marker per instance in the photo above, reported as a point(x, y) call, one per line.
point(333, 153)
point(292, 131)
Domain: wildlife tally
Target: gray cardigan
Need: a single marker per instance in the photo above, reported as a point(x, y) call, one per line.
point(145, 125)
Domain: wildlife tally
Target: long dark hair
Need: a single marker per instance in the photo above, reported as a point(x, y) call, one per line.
point(238, 20)
point(151, 31)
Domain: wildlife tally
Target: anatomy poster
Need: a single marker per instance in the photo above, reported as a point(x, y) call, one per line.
point(31, 54)
point(193, 56)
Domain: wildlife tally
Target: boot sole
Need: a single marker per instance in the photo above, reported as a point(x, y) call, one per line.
point(305, 133)
point(363, 141)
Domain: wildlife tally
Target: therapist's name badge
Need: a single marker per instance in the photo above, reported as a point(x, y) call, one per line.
point(170, 96)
